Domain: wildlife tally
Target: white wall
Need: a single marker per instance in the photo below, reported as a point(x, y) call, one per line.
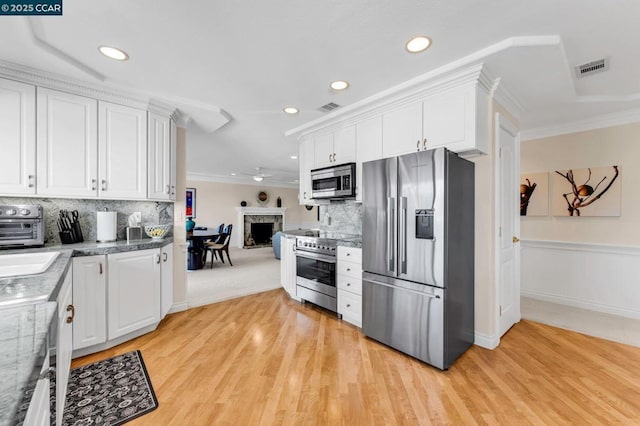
point(588, 262)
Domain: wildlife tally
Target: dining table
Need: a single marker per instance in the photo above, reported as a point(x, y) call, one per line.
point(196, 239)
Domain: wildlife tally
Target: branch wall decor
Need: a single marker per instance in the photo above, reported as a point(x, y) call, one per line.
point(534, 194)
point(594, 191)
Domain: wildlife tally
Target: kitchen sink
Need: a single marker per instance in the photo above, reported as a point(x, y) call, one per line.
point(26, 263)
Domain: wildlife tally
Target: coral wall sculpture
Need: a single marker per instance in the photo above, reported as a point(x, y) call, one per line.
point(594, 191)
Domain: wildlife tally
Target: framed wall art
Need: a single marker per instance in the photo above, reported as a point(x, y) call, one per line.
point(190, 202)
point(594, 191)
point(534, 194)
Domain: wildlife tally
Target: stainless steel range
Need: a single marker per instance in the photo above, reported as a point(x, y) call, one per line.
point(316, 270)
point(21, 225)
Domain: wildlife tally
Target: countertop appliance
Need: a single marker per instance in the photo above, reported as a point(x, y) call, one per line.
point(334, 182)
point(418, 254)
point(21, 225)
point(316, 271)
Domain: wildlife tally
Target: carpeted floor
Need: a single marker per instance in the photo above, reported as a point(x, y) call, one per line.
point(253, 271)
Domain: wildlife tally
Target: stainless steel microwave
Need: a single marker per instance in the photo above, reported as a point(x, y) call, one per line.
point(334, 182)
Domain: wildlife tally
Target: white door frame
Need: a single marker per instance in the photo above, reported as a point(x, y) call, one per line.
point(501, 121)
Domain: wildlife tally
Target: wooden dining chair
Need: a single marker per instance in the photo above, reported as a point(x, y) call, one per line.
point(218, 238)
point(219, 248)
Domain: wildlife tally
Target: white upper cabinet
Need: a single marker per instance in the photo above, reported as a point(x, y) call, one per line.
point(173, 158)
point(17, 138)
point(67, 130)
point(368, 147)
point(306, 162)
point(344, 145)
point(159, 157)
point(122, 142)
point(402, 130)
point(323, 150)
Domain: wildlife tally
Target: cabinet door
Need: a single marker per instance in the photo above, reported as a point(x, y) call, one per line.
point(166, 278)
point(368, 148)
point(173, 158)
point(306, 162)
point(288, 266)
point(122, 143)
point(17, 138)
point(402, 130)
point(90, 301)
point(344, 145)
point(134, 291)
point(64, 344)
point(39, 411)
point(323, 150)
point(159, 157)
point(448, 119)
point(67, 144)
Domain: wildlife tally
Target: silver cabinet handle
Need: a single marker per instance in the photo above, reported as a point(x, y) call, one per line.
point(348, 305)
point(403, 235)
point(432, 296)
point(31, 181)
point(334, 156)
point(168, 189)
point(348, 284)
point(424, 144)
point(48, 373)
point(100, 268)
point(93, 184)
point(348, 269)
point(348, 254)
point(418, 146)
point(158, 258)
point(390, 234)
point(164, 257)
point(173, 190)
point(104, 184)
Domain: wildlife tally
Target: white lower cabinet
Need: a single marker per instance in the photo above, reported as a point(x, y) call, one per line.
point(288, 265)
point(349, 278)
point(64, 343)
point(90, 301)
point(166, 279)
point(134, 291)
point(39, 412)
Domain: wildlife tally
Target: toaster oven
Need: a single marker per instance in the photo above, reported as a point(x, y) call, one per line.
point(21, 225)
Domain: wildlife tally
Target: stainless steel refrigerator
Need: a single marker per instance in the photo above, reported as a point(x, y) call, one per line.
point(418, 254)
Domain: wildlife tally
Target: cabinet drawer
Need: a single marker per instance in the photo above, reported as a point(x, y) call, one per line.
point(350, 269)
point(351, 284)
point(350, 307)
point(350, 254)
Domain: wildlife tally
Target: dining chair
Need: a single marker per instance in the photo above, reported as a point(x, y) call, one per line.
point(216, 239)
point(221, 247)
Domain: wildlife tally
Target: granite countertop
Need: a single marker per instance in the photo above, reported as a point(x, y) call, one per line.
point(27, 305)
point(23, 347)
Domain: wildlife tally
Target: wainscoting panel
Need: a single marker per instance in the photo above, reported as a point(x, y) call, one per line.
point(599, 277)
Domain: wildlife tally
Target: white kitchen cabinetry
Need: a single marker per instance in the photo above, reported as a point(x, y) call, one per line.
point(134, 291)
point(402, 130)
point(306, 163)
point(173, 158)
point(64, 343)
point(288, 265)
point(166, 279)
point(368, 147)
point(159, 157)
point(122, 141)
point(90, 301)
point(349, 278)
point(67, 144)
point(17, 138)
point(337, 147)
point(39, 411)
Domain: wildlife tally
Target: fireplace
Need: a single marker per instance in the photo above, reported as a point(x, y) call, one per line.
point(262, 233)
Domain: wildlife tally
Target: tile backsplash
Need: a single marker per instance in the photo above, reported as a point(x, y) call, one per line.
point(153, 212)
point(342, 216)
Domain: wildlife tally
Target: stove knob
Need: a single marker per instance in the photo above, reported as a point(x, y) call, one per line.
point(11, 212)
point(25, 212)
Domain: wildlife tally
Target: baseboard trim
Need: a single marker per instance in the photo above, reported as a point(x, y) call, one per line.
point(560, 300)
point(179, 307)
point(486, 341)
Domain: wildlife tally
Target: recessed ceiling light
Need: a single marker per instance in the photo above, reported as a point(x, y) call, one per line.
point(258, 178)
point(418, 44)
point(113, 53)
point(233, 174)
point(339, 85)
point(294, 157)
point(291, 110)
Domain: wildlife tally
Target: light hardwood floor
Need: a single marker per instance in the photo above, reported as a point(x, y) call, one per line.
point(265, 359)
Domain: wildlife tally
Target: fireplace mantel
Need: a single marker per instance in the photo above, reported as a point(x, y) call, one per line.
point(255, 211)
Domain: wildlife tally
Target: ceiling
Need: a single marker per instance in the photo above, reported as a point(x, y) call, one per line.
point(233, 66)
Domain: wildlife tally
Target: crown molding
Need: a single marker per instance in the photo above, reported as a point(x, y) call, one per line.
point(506, 99)
point(238, 180)
point(593, 123)
point(161, 108)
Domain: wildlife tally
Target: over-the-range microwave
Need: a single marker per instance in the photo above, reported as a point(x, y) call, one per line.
point(334, 182)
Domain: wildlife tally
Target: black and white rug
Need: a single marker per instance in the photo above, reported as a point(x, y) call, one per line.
point(109, 392)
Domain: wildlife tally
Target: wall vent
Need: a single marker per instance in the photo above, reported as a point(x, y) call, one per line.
point(592, 67)
point(329, 107)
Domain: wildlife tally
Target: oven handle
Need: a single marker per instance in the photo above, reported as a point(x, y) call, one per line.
point(316, 256)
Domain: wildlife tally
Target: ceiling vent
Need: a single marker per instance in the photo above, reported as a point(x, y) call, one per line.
point(329, 107)
point(592, 67)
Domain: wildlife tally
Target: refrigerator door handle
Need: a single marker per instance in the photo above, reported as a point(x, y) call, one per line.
point(403, 235)
point(391, 258)
point(432, 296)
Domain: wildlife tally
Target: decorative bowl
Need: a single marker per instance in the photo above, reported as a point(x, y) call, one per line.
point(156, 232)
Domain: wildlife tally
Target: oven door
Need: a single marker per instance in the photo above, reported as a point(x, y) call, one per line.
point(20, 232)
point(316, 272)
